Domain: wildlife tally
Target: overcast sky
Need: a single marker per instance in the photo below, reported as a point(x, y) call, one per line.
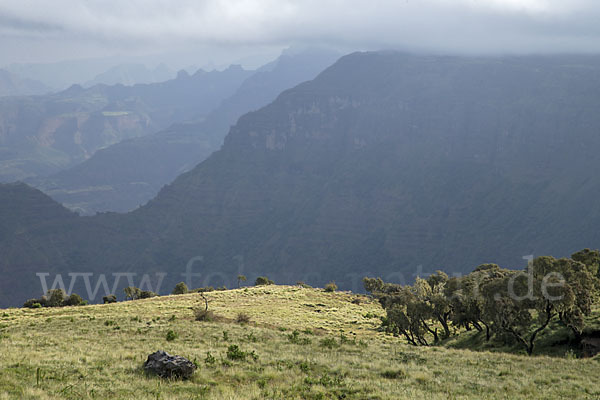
point(44, 30)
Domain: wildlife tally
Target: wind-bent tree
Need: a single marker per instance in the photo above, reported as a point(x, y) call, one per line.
point(441, 307)
point(523, 303)
point(467, 301)
point(408, 313)
point(501, 302)
point(589, 258)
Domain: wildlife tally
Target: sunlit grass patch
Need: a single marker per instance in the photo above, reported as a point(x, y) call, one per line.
point(286, 351)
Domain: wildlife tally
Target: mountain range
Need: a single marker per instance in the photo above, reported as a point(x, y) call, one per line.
point(13, 85)
point(386, 164)
point(131, 74)
point(40, 135)
point(127, 174)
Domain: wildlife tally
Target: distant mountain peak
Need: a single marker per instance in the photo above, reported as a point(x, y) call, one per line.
point(12, 84)
point(183, 74)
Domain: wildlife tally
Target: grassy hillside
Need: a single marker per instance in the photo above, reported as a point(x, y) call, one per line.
point(97, 352)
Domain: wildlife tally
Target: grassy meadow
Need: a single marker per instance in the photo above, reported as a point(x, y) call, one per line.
point(299, 344)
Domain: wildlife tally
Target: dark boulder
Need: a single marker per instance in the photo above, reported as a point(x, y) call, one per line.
point(165, 365)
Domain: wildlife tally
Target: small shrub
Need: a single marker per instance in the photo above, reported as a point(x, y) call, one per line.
point(251, 338)
point(242, 318)
point(235, 354)
point(180, 288)
point(263, 281)
point(394, 374)
point(356, 301)
point(422, 379)
point(226, 363)
point(147, 294)
point(109, 323)
point(172, 318)
point(304, 367)
point(204, 315)
point(203, 289)
point(344, 340)
point(303, 285)
point(111, 298)
point(225, 336)
point(32, 303)
point(331, 287)
point(329, 343)
point(210, 359)
point(253, 355)
point(74, 300)
point(295, 338)
point(324, 380)
point(171, 335)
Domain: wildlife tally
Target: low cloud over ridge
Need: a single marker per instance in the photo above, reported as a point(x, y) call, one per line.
point(471, 26)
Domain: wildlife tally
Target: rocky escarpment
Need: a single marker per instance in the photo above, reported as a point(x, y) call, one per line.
point(386, 164)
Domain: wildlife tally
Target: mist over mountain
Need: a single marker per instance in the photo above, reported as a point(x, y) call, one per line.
point(40, 135)
point(13, 85)
point(130, 74)
point(383, 163)
point(127, 174)
point(61, 75)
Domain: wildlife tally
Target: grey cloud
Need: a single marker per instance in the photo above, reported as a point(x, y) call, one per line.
point(444, 25)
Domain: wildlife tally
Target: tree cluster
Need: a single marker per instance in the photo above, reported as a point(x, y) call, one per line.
point(55, 298)
point(511, 305)
point(135, 293)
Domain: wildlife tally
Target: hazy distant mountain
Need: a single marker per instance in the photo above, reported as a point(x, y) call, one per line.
point(61, 75)
point(44, 134)
point(130, 74)
point(125, 175)
point(383, 163)
point(12, 85)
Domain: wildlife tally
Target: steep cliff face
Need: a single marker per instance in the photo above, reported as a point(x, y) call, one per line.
point(386, 164)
